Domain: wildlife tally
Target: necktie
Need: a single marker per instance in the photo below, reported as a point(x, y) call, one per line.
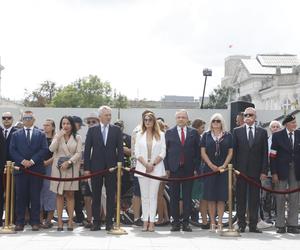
point(250, 137)
point(182, 139)
point(291, 140)
point(5, 133)
point(104, 134)
point(28, 135)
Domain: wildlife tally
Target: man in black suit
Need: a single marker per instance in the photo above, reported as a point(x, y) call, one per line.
point(250, 147)
point(5, 137)
point(183, 153)
point(285, 169)
point(103, 149)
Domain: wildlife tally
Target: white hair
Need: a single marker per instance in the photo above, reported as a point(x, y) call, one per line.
point(182, 111)
point(219, 117)
point(275, 122)
point(102, 108)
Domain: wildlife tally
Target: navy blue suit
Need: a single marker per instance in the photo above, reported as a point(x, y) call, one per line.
point(282, 155)
point(98, 156)
point(191, 152)
point(27, 186)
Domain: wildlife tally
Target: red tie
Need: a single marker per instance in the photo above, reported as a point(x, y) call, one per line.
point(182, 136)
point(182, 152)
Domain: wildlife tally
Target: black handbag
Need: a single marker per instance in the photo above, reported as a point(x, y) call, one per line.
point(61, 160)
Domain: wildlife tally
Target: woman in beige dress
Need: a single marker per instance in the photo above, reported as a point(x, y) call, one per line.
point(67, 148)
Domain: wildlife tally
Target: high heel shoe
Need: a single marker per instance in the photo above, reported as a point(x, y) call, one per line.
point(145, 227)
point(60, 228)
point(151, 227)
point(212, 228)
point(219, 228)
point(70, 227)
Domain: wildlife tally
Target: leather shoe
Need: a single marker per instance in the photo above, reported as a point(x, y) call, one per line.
point(109, 227)
point(19, 227)
point(175, 228)
point(35, 228)
point(241, 229)
point(293, 230)
point(205, 226)
point(186, 228)
point(95, 227)
point(281, 230)
point(255, 230)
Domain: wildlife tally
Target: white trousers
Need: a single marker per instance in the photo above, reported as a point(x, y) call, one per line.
point(149, 190)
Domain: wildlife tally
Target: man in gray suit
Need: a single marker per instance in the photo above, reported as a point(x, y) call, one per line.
point(250, 147)
point(103, 149)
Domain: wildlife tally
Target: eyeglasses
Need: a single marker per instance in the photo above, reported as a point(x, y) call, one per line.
point(91, 122)
point(148, 120)
point(248, 115)
point(27, 118)
point(6, 117)
point(217, 121)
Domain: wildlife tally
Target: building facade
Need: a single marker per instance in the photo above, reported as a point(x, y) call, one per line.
point(270, 81)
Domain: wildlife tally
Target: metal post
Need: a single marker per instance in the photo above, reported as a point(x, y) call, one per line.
point(12, 197)
point(201, 107)
point(230, 232)
point(117, 230)
point(6, 229)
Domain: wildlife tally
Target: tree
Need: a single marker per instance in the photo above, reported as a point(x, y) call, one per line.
point(119, 101)
point(42, 96)
point(66, 97)
point(219, 98)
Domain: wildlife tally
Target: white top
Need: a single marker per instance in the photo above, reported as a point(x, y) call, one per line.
point(158, 149)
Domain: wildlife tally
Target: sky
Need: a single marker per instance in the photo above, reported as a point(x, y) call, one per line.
point(144, 48)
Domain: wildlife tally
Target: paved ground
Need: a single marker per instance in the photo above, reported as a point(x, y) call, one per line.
point(81, 239)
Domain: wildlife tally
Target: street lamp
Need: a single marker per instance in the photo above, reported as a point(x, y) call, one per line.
point(206, 73)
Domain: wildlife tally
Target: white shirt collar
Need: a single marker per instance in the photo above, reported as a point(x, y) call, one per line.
point(288, 132)
point(31, 128)
point(179, 128)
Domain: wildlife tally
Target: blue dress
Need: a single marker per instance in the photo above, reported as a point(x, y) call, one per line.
point(216, 186)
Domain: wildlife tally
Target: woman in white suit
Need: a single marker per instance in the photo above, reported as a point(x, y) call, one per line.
point(150, 150)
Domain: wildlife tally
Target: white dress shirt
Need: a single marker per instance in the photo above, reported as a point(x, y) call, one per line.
point(179, 132)
point(30, 131)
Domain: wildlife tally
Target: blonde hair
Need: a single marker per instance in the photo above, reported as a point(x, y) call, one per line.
point(219, 117)
point(155, 128)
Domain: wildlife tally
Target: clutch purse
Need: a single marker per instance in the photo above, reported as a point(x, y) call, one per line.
point(61, 160)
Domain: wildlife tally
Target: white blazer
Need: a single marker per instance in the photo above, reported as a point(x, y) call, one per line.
point(158, 149)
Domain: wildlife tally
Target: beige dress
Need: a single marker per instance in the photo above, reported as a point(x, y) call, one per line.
point(73, 149)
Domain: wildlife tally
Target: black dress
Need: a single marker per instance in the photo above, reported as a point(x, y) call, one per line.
point(216, 187)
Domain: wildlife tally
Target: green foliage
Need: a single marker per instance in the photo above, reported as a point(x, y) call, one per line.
point(42, 96)
point(219, 98)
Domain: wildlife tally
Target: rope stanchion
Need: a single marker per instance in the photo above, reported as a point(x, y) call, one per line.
point(12, 197)
point(117, 229)
point(230, 232)
point(189, 178)
point(258, 185)
point(6, 228)
point(100, 172)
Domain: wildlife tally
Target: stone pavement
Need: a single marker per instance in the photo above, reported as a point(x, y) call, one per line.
point(82, 239)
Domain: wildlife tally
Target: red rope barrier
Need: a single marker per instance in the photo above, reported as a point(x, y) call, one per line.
point(100, 172)
point(189, 178)
point(258, 185)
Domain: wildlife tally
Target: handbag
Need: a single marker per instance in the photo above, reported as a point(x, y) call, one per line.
point(61, 160)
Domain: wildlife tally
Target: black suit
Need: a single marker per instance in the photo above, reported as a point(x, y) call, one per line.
point(2, 164)
point(252, 161)
point(191, 152)
point(97, 156)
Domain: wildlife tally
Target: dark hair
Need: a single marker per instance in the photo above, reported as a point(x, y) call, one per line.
point(197, 123)
point(160, 118)
point(71, 120)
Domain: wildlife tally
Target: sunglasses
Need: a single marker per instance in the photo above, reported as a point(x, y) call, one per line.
point(6, 117)
point(91, 122)
point(27, 118)
point(217, 121)
point(148, 120)
point(248, 115)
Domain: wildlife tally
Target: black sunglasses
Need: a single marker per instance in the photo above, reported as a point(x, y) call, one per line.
point(217, 121)
point(91, 122)
point(248, 115)
point(6, 117)
point(148, 120)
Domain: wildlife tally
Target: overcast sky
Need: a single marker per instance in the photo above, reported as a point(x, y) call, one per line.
point(144, 48)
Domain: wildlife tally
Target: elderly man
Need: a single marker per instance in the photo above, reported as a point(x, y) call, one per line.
point(285, 168)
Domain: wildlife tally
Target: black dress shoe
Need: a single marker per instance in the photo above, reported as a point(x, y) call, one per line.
point(95, 227)
point(19, 228)
point(205, 226)
point(293, 230)
point(109, 227)
point(281, 230)
point(175, 228)
point(241, 229)
point(254, 230)
point(186, 228)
